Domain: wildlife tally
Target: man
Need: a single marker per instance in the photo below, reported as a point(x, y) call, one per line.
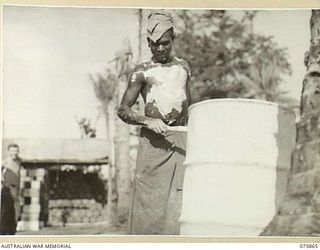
point(158, 179)
point(10, 191)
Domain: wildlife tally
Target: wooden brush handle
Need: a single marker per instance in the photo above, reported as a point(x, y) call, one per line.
point(178, 128)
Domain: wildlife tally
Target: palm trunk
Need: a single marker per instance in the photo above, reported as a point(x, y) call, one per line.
point(124, 171)
point(140, 16)
point(299, 212)
point(140, 36)
point(109, 110)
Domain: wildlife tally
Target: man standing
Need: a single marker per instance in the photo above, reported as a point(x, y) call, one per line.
point(158, 178)
point(10, 191)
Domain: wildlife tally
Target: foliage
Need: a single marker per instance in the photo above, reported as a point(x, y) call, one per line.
point(87, 130)
point(227, 58)
point(104, 85)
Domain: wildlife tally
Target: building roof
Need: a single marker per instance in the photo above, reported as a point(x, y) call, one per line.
point(62, 151)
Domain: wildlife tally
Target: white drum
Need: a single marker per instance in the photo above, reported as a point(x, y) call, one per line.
point(237, 163)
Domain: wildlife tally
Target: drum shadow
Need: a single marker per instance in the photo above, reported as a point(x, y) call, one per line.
point(286, 140)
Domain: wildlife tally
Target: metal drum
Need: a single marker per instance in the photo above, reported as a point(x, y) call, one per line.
point(237, 164)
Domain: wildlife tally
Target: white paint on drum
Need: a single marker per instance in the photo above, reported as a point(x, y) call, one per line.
point(236, 150)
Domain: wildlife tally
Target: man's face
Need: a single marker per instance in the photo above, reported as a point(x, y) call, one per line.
point(13, 152)
point(161, 49)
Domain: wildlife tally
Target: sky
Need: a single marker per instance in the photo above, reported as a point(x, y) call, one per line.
point(48, 54)
point(290, 29)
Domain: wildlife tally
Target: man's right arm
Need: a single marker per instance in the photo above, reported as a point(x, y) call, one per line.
point(130, 96)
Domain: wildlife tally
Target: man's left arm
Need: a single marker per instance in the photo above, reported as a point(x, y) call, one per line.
point(188, 92)
point(188, 89)
point(186, 66)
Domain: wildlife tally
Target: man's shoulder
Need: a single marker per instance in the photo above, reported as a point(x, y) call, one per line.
point(181, 60)
point(11, 164)
point(4, 162)
point(146, 65)
point(143, 66)
point(184, 63)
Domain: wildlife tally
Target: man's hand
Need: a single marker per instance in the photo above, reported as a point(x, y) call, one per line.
point(156, 125)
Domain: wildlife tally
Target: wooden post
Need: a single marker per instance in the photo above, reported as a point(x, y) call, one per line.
point(110, 121)
point(124, 171)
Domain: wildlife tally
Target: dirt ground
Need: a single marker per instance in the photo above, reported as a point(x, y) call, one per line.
point(85, 229)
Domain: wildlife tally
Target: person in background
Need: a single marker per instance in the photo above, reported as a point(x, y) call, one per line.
point(158, 178)
point(10, 191)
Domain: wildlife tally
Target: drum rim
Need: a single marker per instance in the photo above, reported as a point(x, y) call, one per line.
point(237, 100)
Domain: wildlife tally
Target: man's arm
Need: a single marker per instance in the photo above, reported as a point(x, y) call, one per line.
point(186, 66)
point(188, 90)
point(130, 96)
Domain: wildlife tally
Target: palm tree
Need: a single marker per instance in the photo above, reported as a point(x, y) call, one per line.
point(139, 57)
point(109, 89)
point(140, 16)
point(262, 82)
point(299, 212)
point(123, 67)
point(105, 88)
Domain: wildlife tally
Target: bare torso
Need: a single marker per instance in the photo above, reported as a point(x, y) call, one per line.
point(164, 88)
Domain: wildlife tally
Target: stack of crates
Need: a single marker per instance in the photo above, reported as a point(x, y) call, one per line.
point(76, 211)
point(31, 180)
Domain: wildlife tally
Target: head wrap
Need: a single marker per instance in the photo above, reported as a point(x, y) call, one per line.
point(158, 24)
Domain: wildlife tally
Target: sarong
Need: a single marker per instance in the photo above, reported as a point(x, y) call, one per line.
point(158, 182)
point(7, 218)
point(12, 181)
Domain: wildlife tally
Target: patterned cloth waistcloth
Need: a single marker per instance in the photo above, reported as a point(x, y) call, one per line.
point(158, 180)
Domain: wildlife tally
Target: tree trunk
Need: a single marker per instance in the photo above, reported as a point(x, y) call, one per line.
point(140, 39)
point(299, 212)
point(140, 36)
point(124, 170)
point(109, 110)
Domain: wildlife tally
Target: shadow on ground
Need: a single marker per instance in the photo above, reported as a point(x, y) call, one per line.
point(85, 229)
